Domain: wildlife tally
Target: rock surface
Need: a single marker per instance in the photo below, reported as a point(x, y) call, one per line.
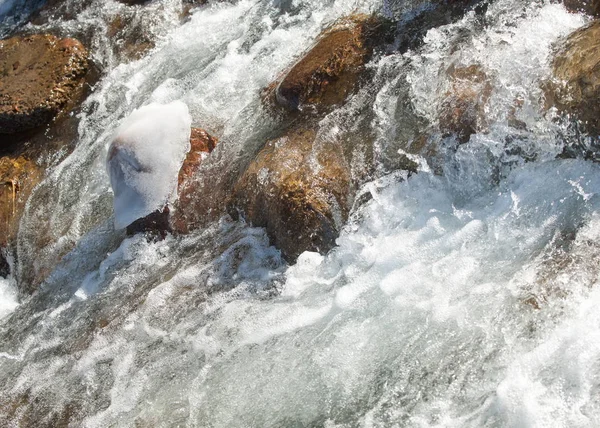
point(589, 7)
point(298, 188)
point(575, 87)
point(39, 75)
point(189, 188)
point(159, 222)
point(330, 70)
point(18, 176)
point(462, 110)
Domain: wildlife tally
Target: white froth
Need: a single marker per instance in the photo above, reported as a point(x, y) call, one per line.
point(145, 157)
point(8, 298)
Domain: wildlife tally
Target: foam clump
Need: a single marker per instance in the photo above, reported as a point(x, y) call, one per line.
point(145, 157)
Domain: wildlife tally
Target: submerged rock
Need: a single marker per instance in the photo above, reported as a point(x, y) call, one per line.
point(462, 110)
point(330, 70)
point(39, 76)
point(298, 188)
point(575, 87)
point(589, 7)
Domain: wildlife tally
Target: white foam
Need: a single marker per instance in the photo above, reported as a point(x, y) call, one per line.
point(8, 298)
point(145, 157)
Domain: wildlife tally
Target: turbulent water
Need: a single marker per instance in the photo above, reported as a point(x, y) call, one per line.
point(463, 295)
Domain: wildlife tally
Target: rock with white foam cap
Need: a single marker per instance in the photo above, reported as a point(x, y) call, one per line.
point(144, 160)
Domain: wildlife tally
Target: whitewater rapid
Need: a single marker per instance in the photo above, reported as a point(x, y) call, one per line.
point(464, 295)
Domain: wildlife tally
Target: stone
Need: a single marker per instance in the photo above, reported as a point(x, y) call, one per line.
point(299, 189)
point(589, 7)
point(190, 190)
point(462, 110)
point(39, 76)
point(575, 85)
point(159, 222)
point(330, 70)
point(18, 176)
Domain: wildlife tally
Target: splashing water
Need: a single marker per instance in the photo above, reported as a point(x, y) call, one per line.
point(464, 295)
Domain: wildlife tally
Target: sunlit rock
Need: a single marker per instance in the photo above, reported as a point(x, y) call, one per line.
point(201, 144)
point(329, 71)
point(39, 76)
point(144, 160)
point(589, 7)
point(18, 176)
point(575, 87)
point(462, 109)
point(298, 188)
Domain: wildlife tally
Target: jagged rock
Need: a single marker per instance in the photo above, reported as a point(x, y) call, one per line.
point(589, 7)
point(330, 70)
point(462, 110)
point(39, 75)
point(575, 87)
point(298, 188)
point(188, 188)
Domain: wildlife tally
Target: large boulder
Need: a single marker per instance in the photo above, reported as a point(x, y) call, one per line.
point(330, 70)
point(39, 76)
point(298, 188)
point(589, 7)
point(462, 109)
point(575, 86)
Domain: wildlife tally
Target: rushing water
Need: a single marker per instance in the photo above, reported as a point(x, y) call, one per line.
point(462, 296)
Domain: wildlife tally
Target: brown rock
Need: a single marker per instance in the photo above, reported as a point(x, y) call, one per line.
point(298, 189)
point(159, 221)
point(39, 75)
point(201, 144)
point(329, 72)
point(575, 87)
point(589, 7)
point(462, 110)
point(191, 190)
point(17, 179)
point(131, 39)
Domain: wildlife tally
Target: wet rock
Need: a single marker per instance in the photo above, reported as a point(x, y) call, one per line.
point(131, 39)
point(589, 7)
point(4, 266)
point(189, 188)
point(298, 188)
point(53, 10)
point(18, 176)
point(201, 144)
point(159, 222)
point(462, 110)
point(133, 2)
point(330, 70)
point(39, 76)
point(416, 18)
point(575, 87)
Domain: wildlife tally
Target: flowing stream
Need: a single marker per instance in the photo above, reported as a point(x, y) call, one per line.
point(463, 295)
